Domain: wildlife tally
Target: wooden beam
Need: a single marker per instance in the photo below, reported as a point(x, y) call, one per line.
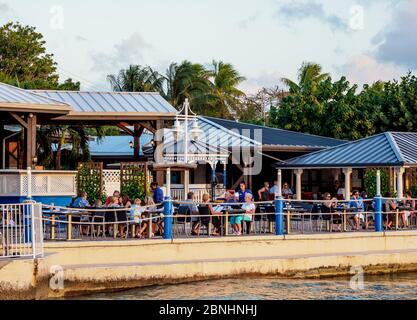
point(19, 119)
point(149, 127)
point(125, 129)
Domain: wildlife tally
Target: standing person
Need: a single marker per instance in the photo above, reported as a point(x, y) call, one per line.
point(263, 193)
point(336, 187)
point(274, 189)
point(109, 199)
point(356, 202)
point(242, 191)
point(158, 194)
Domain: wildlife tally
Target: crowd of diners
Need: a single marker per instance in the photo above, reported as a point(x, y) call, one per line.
point(135, 212)
point(360, 208)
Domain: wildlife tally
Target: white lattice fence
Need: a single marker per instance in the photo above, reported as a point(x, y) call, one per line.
point(111, 181)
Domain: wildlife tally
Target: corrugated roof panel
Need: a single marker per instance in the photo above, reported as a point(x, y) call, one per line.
point(11, 94)
point(407, 145)
point(112, 101)
point(280, 137)
point(116, 145)
point(371, 151)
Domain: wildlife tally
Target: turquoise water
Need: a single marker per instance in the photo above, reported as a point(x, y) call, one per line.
point(401, 286)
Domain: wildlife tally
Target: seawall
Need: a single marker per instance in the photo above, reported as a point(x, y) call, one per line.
point(116, 265)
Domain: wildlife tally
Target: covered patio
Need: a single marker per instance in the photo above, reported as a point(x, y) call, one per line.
point(395, 152)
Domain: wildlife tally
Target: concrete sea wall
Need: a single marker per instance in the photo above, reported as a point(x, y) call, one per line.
point(115, 265)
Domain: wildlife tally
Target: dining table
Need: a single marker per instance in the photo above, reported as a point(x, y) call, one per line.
point(62, 213)
point(291, 211)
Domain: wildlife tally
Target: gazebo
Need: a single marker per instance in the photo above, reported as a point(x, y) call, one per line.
point(395, 152)
point(132, 112)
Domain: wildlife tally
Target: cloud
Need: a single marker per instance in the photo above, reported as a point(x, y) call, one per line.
point(6, 12)
point(244, 23)
point(364, 68)
point(397, 43)
point(297, 10)
point(80, 38)
point(256, 83)
point(127, 51)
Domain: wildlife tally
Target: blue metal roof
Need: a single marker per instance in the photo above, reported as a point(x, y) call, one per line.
point(216, 135)
point(111, 146)
point(112, 102)
point(278, 138)
point(15, 95)
point(382, 150)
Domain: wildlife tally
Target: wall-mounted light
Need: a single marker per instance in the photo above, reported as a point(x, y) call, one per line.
point(131, 144)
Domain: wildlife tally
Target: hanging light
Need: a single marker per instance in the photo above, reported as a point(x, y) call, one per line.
point(195, 130)
point(177, 129)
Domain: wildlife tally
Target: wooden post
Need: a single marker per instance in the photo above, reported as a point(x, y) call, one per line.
point(31, 140)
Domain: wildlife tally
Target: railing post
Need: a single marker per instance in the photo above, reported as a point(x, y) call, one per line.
point(29, 177)
point(378, 204)
point(279, 216)
point(168, 218)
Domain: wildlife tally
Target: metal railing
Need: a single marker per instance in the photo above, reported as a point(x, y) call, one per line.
point(21, 234)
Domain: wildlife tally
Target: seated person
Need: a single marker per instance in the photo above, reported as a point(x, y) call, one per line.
point(81, 201)
point(390, 206)
point(109, 199)
point(356, 202)
point(194, 212)
point(236, 221)
point(136, 214)
point(286, 191)
point(215, 220)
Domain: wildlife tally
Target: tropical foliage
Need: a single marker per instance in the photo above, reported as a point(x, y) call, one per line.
point(370, 182)
point(211, 91)
point(24, 61)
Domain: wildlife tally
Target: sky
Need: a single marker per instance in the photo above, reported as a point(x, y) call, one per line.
point(265, 40)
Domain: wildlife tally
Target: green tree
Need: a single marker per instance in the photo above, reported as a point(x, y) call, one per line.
point(317, 105)
point(24, 61)
point(309, 76)
point(225, 98)
point(188, 80)
point(137, 79)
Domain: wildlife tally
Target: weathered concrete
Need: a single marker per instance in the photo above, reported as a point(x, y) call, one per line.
point(117, 265)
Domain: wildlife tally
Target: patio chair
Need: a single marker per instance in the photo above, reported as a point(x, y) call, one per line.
point(185, 212)
point(101, 228)
point(205, 221)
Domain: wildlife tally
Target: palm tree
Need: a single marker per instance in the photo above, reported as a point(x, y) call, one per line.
point(225, 97)
point(309, 75)
point(187, 80)
point(77, 135)
point(137, 79)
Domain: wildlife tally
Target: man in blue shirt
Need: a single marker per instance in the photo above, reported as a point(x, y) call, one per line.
point(242, 191)
point(81, 201)
point(158, 194)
